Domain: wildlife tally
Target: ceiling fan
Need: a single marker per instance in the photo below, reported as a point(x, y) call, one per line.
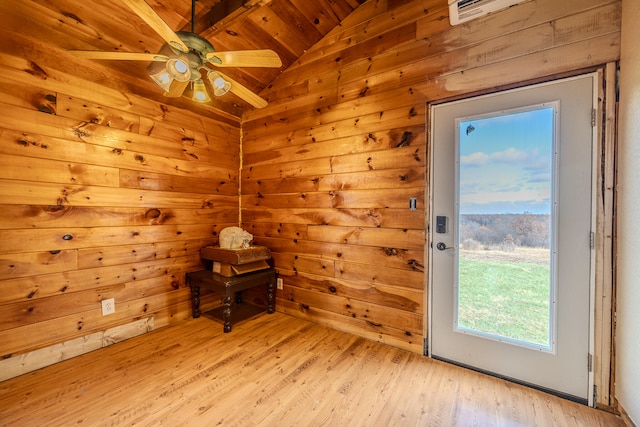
point(183, 60)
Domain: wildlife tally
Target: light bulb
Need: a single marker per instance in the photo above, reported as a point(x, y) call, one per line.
point(220, 85)
point(200, 92)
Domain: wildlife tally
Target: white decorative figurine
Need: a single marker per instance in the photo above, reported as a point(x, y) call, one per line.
point(235, 238)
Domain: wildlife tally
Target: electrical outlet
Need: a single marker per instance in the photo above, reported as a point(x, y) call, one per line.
point(108, 306)
point(279, 283)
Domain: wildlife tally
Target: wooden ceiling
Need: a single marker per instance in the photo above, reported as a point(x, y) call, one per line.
point(289, 27)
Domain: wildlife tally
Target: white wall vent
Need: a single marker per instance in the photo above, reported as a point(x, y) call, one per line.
point(464, 10)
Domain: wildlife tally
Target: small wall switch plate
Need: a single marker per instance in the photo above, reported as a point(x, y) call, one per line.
point(108, 306)
point(279, 283)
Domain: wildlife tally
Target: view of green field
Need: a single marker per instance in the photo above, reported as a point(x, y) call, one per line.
point(506, 293)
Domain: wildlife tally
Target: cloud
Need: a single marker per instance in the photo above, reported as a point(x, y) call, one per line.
point(529, 195)
point(475, 159)
point(540, 177)
point(509, 156)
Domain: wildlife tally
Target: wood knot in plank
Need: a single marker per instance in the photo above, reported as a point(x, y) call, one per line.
point(43, 108)
point(405, 140)
point(152, 213)
point(80, 131)
point(54, 208)
point(415, 265)
point(391, 251)
point(35, 70)
point(71, 16)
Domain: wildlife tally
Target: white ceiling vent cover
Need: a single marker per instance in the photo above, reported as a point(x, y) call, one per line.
point(464, 10)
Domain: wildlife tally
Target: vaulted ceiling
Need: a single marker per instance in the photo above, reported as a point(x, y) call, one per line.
point(288, 27)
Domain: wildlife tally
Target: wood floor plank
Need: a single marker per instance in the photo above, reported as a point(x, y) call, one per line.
point(273, 370)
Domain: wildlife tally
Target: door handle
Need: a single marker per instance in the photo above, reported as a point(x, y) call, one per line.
point(442, 247)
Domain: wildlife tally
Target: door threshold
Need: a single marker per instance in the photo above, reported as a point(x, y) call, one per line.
point(560, 394)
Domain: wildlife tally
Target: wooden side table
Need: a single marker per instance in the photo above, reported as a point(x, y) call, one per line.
point(231, 285)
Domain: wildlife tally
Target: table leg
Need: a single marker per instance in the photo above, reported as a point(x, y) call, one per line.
point(195, 301)
point(226, 312)
point(271, 296)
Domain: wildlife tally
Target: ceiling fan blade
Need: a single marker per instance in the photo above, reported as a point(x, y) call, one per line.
point(245, 58)
point(122, 56)
point(144, 11)
point(244, 93)
point(176, 89)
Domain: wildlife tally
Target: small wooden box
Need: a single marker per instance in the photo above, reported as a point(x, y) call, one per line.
point(235, 256)
point(232, 262)
point(228, 270)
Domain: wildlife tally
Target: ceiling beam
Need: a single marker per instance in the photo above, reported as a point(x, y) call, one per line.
point(223, 9)
point(223, 13)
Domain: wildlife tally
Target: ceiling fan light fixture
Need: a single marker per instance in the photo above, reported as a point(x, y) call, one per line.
point(200, 92)
point(174, 69)
point(220, 85)
point(163, 79)
point(178, 68)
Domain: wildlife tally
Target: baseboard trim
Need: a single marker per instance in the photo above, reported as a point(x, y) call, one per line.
point(625, 417)
point(37, 359)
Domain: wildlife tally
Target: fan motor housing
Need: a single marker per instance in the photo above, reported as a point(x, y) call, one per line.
point(196, 44)
point(199, 47)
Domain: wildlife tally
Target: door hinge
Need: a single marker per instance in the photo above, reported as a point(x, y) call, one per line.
point(595, 395)
point(425, 346)
point(594, 114)
point(590, 362)
point(592, 240)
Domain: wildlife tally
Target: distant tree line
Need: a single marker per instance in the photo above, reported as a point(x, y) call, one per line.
point(504, 230)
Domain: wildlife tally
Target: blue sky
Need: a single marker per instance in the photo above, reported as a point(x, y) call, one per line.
point(506, 163)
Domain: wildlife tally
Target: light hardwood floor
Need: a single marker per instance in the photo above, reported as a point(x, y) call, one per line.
point(273, 370)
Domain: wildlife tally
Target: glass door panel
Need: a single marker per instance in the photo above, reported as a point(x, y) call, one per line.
point(505, 199)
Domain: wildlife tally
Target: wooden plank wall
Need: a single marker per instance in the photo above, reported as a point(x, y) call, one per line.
point(330, 165)
point(103, 194)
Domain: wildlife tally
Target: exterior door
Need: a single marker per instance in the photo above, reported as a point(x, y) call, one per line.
point(511, 234)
